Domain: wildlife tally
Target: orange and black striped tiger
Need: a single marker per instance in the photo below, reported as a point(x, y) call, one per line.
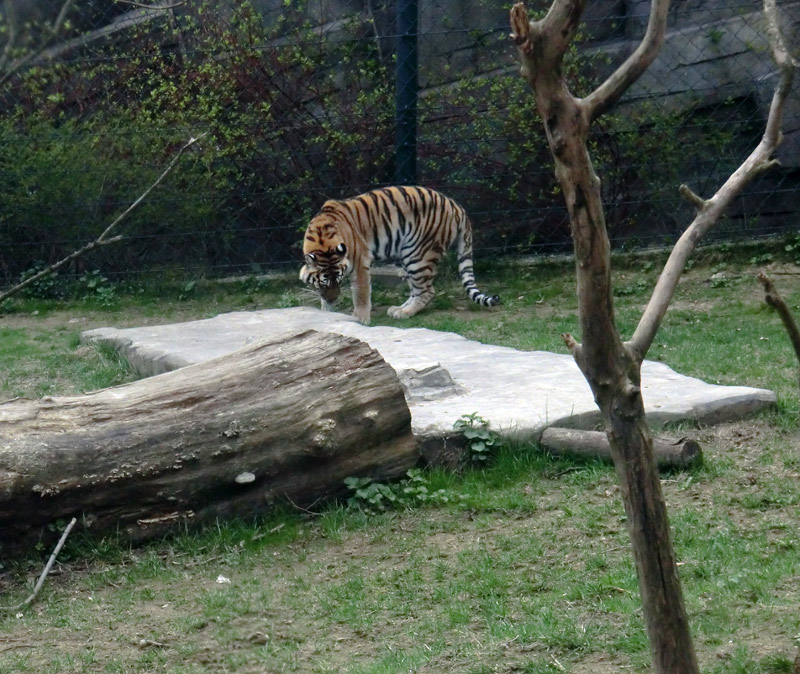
point(411, 225)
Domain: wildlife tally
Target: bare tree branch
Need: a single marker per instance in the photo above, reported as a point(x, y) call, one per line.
point(610, 91)
point(687, 193)
point(103, 239)
point(710, 210)
point(53, 31)
point(144, 6)
point(774, 299)
point(566, 16)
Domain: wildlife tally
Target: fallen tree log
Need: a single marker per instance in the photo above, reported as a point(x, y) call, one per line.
point(287, 419)
point(594, 444)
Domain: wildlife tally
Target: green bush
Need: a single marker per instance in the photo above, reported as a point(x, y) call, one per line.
point(282, 131)
point(293, 117)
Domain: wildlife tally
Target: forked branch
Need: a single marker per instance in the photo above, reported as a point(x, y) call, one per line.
point(710, 210)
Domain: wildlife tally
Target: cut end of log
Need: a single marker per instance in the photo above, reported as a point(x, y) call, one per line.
point(689, 451)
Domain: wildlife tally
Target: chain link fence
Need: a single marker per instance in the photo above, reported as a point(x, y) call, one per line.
point(303, 101)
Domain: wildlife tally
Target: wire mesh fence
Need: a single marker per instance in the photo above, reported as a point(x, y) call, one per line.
point(303, 101)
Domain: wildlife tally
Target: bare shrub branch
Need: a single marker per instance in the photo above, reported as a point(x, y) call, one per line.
point(103, 239)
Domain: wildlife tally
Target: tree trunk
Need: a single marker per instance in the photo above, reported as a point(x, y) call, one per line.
point(286, 419)
point(611, 369)
point(681, 453)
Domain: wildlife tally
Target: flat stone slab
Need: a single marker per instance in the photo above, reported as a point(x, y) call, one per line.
point(444, 374)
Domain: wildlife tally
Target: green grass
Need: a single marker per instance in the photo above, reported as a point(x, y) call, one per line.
point(526, 566)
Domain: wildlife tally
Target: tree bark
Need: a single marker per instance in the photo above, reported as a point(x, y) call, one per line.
point(279, 420)
point(682, 453)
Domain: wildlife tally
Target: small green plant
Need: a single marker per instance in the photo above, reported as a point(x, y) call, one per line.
point(793, 248)
point(414, 490)
point(47, 287)
point(96, 287)
point(368, 495)
point(720, 280)
point(482, 442)
point(636, 288)
point(187, 290)
point(762, 258)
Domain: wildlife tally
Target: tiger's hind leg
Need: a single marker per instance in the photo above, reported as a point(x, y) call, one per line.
point(420, 281)
point(413, 305)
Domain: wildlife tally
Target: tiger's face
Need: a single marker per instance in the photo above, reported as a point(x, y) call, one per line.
point(326, 269)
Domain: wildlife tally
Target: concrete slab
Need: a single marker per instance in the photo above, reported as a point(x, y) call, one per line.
point(444, 374)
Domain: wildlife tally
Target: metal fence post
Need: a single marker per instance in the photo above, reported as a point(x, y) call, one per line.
point(406, 85)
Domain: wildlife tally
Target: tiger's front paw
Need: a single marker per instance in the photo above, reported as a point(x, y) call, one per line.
point(362, 316)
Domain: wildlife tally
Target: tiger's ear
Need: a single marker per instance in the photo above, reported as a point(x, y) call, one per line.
point(341, 249)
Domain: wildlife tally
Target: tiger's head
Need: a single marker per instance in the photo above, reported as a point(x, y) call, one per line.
point(326, 267)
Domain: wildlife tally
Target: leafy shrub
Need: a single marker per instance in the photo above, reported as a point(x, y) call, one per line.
point(295, 114)
point(93, 286)
point(47, 287)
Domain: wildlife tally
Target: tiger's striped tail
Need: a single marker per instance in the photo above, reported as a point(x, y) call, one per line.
point(465, 271)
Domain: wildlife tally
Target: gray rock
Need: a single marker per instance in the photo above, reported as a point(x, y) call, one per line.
point(445, 375)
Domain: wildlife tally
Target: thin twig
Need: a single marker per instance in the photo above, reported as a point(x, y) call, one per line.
point(301, 508)
point(11, 22)
point(100, 240)
point(55, 29)
point(158, 7)
point(46, 571)
point(11, 647)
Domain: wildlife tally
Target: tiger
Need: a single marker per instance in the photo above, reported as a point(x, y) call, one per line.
point(414, 226)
